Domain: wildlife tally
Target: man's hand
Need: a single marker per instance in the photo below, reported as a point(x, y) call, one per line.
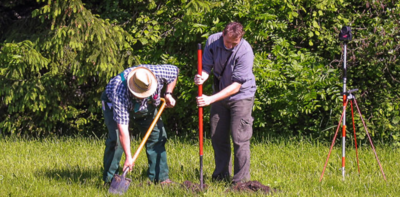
point(128, 164)
point(170, 101)
point(200, 79)
point(203, 100)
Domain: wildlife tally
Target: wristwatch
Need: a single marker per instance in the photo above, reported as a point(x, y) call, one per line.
point(170, 93)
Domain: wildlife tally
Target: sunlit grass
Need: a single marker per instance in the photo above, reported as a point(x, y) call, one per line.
point(73, 167)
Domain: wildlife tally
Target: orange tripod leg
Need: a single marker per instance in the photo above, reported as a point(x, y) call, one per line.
point(355, 137)
point(333, 142)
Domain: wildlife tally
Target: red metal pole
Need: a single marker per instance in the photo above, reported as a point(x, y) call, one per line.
point(333, 143)
point(345, 101)
point(200, 93)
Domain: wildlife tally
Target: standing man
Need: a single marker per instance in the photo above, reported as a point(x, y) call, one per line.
point(231, 59)
point(134, 95)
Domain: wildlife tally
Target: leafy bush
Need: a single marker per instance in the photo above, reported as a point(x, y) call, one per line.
point(55, 68)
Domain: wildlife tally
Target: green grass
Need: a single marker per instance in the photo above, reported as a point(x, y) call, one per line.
point(73, 166)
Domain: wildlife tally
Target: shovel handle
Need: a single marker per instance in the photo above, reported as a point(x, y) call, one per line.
point(125, 172)
point(147, 135)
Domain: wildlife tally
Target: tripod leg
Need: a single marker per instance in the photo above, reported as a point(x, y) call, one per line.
point(369, 137)
point(333, 142)
point(355, 138)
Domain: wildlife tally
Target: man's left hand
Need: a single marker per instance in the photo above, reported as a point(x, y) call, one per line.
point(203, 100)
point(170, 101)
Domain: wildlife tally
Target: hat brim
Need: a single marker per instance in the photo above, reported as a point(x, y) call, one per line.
point(138, 92)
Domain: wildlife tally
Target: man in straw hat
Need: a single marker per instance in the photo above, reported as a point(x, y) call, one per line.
point(134, 95)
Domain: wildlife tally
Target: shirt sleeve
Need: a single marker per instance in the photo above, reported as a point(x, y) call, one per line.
point(165, 73)
point(121, 114)
point(169, 74)
point(208, 61)
point(120, 102)
point(243, 68)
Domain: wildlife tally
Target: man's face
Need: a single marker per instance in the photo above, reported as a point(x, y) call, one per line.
point(230, 41)
point(134, 97)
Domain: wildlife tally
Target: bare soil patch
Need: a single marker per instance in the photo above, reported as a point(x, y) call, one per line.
point(252, 186)
point(194, 187)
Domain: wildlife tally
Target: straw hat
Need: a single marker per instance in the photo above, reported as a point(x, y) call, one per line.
point(142, 82)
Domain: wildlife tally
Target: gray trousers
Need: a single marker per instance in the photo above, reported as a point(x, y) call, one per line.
point(232, 118)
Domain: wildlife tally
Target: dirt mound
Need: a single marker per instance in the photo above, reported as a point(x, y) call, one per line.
point(193, 186)
point(251, 186)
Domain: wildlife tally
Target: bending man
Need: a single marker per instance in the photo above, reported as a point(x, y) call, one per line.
point(134, 95)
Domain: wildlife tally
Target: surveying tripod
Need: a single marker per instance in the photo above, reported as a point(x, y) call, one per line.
point(348, 96)
point(345, 35)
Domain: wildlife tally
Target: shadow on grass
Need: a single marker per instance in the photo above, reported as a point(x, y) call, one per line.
point(72, 175)
point(80, 176)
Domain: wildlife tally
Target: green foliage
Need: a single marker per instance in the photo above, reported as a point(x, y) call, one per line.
point(75, 48)
point(51, 83)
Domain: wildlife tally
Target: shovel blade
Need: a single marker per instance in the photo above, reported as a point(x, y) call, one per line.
point(119, 184)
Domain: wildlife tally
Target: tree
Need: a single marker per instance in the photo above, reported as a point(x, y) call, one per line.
point(54, 69)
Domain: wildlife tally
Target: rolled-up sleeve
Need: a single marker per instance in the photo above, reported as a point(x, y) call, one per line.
point(243, 69)
point(170, 73)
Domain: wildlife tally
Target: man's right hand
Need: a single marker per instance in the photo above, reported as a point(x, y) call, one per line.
point(128, 164)
point(200, 79)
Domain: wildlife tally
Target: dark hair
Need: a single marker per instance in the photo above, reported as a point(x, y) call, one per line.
point(234, 29)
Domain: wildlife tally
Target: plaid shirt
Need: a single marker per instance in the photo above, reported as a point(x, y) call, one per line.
point(123, 101)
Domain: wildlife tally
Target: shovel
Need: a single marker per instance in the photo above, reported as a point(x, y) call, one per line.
point(120, 184)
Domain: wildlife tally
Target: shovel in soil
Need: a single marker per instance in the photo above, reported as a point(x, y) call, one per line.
point(120, 184)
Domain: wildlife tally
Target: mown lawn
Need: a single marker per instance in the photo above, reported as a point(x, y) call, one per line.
point(72, 167)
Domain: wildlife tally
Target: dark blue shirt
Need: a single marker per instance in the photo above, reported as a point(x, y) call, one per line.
point(239, 67)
